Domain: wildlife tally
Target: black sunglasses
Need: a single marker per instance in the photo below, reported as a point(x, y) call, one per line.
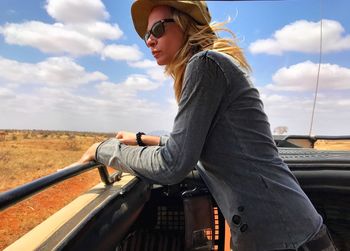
point(157, 29)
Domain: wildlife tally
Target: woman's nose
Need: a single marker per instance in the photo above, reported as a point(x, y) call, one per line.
point(151, 41)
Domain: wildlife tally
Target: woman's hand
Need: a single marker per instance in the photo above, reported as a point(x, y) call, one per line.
point(127, 138)
point(89, 155)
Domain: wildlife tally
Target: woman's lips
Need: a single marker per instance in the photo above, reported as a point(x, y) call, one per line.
point(155, 53)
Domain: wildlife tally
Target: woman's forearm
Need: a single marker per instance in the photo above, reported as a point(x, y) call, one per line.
point(150, 140)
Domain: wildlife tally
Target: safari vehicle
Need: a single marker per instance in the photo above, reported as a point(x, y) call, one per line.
point(124, 213)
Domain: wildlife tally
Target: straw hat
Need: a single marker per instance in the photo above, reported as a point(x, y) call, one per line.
point(141, 9)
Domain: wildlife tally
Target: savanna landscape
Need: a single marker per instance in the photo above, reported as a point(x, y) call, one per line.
point(29, 154)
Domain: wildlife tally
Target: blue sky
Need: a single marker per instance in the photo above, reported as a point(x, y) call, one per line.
point(79, 65)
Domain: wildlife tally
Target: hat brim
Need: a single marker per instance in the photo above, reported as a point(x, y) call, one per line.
point(141, 9)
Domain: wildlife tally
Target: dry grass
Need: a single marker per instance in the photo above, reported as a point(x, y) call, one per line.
point(28, 155)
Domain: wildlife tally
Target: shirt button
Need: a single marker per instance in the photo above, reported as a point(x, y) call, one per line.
point(236, 219)
point(244, 228)
point(240, 208)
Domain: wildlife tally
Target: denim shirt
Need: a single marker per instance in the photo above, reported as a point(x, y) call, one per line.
point(222, 131)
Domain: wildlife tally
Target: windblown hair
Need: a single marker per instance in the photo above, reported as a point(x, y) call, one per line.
point(200, 38)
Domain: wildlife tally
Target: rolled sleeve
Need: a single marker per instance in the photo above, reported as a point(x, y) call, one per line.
point(163, 140)
point(108, 153)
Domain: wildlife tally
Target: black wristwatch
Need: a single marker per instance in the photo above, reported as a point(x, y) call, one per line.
point(138, 138)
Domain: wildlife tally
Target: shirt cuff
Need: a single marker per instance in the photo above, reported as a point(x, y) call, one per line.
point(105, 150)
point(163, 140)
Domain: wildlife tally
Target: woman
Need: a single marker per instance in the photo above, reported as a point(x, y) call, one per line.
point(221, 125)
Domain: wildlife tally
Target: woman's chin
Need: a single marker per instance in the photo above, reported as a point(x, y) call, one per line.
point(160, 62)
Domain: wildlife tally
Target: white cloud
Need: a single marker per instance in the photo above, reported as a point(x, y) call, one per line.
point(56, 71)
point(79, 31)
point(128, 88)
point(344, 102)
point(153, 70)
point(146, 63)
point(77, 11)
point(157, 74)
point(288, 101)
point(98, 30)
point(51, 38)
point(303, 76)
point(294, 111)
point(272, 98)
point(304, 36)
point(140, 82)
point(122, 52)
point(6, 94)
point(117, 91)
point(62, 109)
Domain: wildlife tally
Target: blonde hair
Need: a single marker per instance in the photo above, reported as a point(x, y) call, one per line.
point(200, 38)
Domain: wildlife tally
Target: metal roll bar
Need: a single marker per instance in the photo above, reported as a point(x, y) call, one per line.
point(22, 192)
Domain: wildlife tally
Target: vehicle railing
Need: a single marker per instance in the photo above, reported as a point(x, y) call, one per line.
point(304, 140)
point(15, 195)
point(325, 137)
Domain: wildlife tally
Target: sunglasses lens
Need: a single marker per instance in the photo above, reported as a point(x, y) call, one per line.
point(147, 35)
point(158, 29)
